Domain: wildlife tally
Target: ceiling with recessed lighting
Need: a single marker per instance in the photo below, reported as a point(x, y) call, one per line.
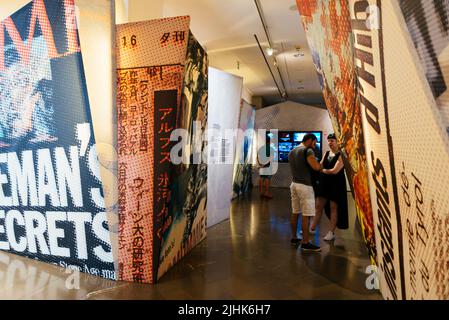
point(226, 29)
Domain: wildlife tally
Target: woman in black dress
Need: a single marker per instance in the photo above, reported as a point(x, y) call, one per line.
point(331, 194)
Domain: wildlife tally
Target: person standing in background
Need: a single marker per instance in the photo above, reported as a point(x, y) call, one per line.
point(266, 153)
point(301, 159)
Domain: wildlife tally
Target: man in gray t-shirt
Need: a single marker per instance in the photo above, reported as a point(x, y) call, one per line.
point(299, 167)
point(302, 160)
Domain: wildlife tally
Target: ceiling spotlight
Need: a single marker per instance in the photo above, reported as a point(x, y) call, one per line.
point(270, 51)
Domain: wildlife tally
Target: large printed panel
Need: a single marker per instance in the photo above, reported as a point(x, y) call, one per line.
point(407, 143)
point(328, 30)
point(165, 42)
point(225, 91)
point(51, 197)
point(379, 147)
point(188, 214)
point(242, 179)
point(428, 25)
point(150, 59)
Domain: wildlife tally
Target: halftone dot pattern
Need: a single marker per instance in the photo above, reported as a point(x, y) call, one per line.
point(34, 104)
point(139, 165)
point(26, 90)
point(443, 100)
point(328, 28)
point(377, 150)
point(150, 48)
point(428, 25)
point(190, 227)
point(421, 146)
point(420, 153)
point(160, 67)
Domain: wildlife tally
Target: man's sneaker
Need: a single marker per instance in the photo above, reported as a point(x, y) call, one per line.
point(329, 236)
point(295, 242)
point(310, 247)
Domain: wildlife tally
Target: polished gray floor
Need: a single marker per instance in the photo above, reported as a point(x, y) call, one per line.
point(246, 257)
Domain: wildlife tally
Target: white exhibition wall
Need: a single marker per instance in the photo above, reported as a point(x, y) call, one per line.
point(291, 116)
point(225, 91)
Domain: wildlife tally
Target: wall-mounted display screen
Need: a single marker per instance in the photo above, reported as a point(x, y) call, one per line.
point(287, 140)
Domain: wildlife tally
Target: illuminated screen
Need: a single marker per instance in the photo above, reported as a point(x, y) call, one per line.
point(288, 140)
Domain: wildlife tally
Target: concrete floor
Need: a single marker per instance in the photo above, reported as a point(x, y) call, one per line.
point(246, 257)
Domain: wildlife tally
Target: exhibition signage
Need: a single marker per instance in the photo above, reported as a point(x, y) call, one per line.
point(126, 212)
point(407, 140)
point(52, 205)
point(162, 86)
point(188, 212)
point(369, 61)
point(404, 125)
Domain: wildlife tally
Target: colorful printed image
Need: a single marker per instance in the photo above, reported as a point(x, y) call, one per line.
point(195, 99)
point(189, 197)
point(26, 102)
point(52, 204)
point(143, 133)
point(328, 30)
point(428, 25)
point(242, 181)
point(162, 86)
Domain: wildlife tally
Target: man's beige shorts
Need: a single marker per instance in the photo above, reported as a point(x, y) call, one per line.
point(303, 199)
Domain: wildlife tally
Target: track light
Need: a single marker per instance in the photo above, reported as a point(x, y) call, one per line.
point(270, 51)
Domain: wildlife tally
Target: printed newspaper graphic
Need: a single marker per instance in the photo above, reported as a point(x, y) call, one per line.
point(162, 86)
point(52, 204)
point(405, 130)
point(428, 25)
point(188, 215)
point(328, 28)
